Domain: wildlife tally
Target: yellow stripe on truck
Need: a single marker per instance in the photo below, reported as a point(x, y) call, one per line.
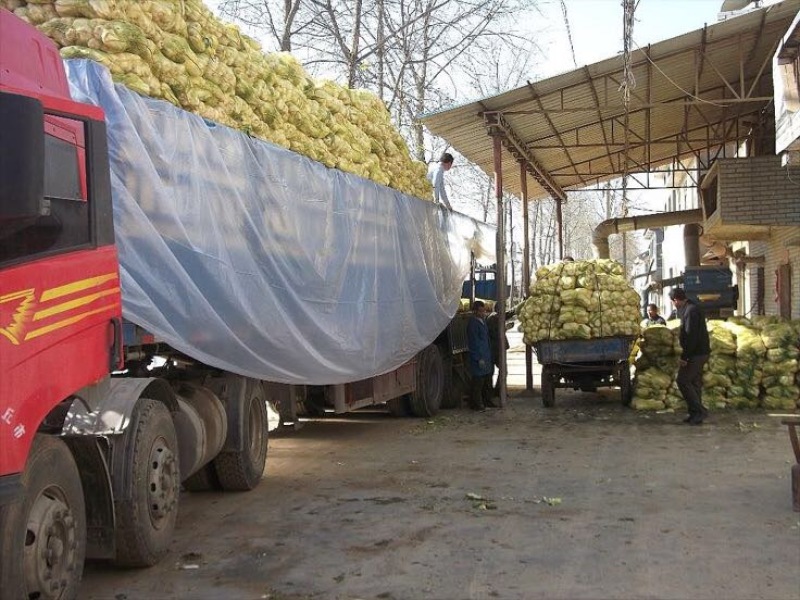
point(77, 286)
point(77, 302)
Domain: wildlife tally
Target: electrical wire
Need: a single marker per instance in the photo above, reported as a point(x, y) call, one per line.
point(668, 78)
point(569, 31)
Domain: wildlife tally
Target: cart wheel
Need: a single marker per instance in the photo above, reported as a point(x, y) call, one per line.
point(548, 388)
point(625, 391)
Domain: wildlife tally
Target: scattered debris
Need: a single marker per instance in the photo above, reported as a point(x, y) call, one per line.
point(747, 426)
point(480, 502)
point(190, 561)
point(554, 501)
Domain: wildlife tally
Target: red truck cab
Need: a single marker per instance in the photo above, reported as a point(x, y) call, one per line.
point(60, 306)
point(59, 278)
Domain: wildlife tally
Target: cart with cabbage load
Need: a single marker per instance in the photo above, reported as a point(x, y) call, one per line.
point(585, 365)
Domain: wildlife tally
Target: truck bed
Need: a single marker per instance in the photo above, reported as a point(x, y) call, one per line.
point(606, 349)
point(259, 261)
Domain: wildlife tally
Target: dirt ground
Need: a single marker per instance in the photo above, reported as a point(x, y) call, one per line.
point(584, 500)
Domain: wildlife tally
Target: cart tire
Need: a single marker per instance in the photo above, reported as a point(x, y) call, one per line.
point(548, 388)
point(625, 388)
point(426, 399)
point(43, 536)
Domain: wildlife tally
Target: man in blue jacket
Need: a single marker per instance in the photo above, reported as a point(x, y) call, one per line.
point(695, 348)
point(480, 358)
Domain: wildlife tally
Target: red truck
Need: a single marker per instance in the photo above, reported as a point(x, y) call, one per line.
point(102, 419)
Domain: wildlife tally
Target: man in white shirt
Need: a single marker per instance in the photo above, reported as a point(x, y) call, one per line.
point(436, 177)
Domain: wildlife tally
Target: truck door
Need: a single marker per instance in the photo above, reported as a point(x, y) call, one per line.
point(59, 278)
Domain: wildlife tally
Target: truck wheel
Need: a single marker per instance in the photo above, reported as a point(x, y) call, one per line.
point(205, 480)
point(548, 388)
point(449, 382)
point(242, 470)
point(147, 462)
point(426, 399)
point(625, 390)
point(43, 537)
point(399, 407)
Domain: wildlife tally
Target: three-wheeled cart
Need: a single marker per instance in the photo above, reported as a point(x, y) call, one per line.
point(585, 365)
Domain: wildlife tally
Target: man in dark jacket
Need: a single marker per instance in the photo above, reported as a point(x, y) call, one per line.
point(695, 349)
point(480, 358)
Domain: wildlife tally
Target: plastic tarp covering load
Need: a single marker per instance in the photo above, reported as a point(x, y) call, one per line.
point(256, 260)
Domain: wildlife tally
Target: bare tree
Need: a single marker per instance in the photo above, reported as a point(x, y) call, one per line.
point(279, 21)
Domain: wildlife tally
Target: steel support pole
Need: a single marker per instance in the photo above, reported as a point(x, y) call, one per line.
point(560, 226)
point(500, 274)
point(526, 266)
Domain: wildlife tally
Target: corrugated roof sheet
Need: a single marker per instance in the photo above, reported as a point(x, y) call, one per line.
point(692, 93)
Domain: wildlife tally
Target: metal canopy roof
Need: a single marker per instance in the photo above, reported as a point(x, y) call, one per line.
point(693, 94)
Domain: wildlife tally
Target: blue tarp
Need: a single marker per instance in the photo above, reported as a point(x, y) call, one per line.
point(256, 260)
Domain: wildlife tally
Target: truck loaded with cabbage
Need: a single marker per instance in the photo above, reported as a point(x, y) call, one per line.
point(164, 278)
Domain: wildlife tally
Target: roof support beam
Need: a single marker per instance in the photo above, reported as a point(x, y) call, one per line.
point(699, 58)
point(674, 140)
point(738, 108)
point(496, 124)
point(590, 83)
point(552, 126)
point(719, 102)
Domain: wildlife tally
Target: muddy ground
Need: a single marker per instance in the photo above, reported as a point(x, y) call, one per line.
point(585, 500)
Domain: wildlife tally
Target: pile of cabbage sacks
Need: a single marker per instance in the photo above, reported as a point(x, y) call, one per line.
point(584, 299)
point(753, 364)
point(177, 50)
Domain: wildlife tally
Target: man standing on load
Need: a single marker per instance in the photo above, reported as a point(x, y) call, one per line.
point(695, 348)
point(436, 177)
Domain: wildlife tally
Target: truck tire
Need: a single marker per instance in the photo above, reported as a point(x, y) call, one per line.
point(43, 536)
point(625, 388)
point(242, 470)
point(426, 399)
point(146, 461)
point(449, 382)
point(205, 480)
point(399, 407)
point(548, 387)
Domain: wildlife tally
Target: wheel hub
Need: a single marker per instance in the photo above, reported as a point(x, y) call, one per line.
point(50, 546)
point(162, 490)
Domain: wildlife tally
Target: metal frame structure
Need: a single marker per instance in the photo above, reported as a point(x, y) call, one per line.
point(703, 92)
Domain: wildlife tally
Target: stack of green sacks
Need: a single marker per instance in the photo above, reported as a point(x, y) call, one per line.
point(753, 363)
point(780, 368)
point(656, 367)
point(721, 366)
point(583, 299)
point(745, 388)
point(178, 51)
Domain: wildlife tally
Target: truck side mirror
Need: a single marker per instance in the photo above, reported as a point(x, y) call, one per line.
point(21, 159)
